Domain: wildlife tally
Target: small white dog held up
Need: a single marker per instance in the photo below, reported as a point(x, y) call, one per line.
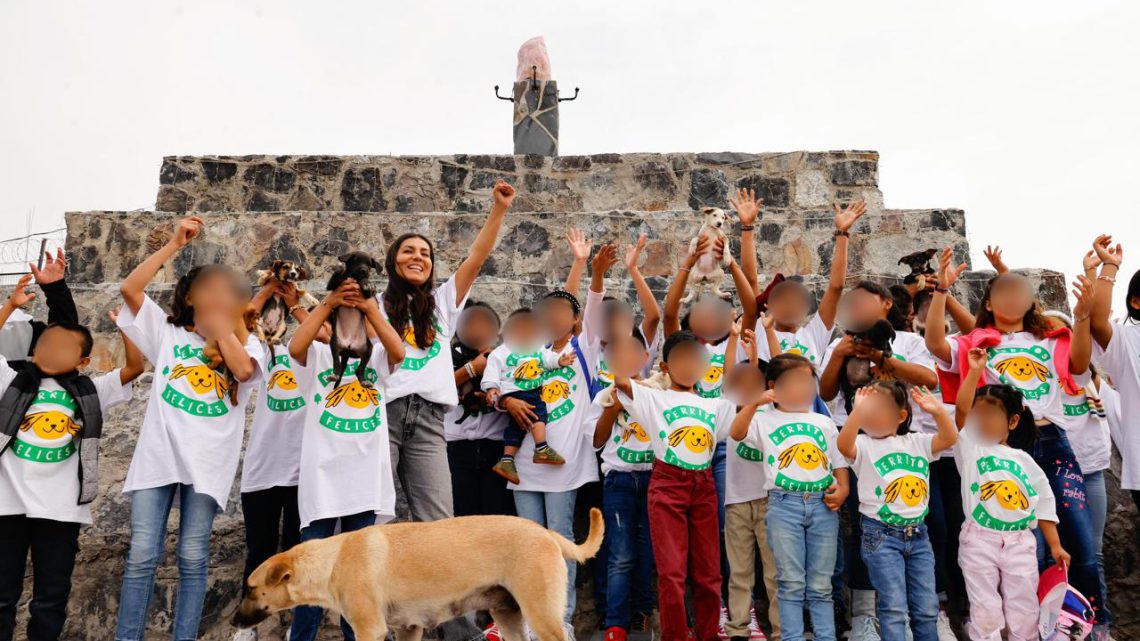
point(708, 272)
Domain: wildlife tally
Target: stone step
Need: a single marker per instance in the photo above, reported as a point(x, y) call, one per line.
point(599, 182)
point(106, 246)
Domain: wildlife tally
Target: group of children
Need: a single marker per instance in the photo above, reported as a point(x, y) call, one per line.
point(728, 439)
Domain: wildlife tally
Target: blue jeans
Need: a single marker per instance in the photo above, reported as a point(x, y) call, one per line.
point(1075, 527)
point(719, 470)
point(555, 511)
point(802, 533)
point(1097, 495)
point(150, 510)
point(307, 618)
point(900, 562)
point(629, 574)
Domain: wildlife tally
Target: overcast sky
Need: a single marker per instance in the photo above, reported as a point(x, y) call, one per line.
point(1021, 113)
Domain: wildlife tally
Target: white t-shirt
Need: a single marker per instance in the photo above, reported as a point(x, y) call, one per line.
point(894, 477)
point(345, 465)
point(745, 478)
point(460, 425)
point(712, 383)
point(1121, 360)
point(511, 372)
point(629, 448)
point(427, 371)
point(798, 448)
point(1023, 361)
point(1086, 425)
point(39, 471)
point(191, 433)
point(683, 427)
point(16, 336)
point(1003, 488)
point(273, 453)
point(809, 341)
point(907, 347)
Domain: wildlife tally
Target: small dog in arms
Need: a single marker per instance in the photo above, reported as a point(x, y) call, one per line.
point(708, 273)
point(349, 332)
point(275, 313)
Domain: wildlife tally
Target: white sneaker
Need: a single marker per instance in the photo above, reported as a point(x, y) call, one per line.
point(863, 628)
point(721, 633)
point(248, 634)
point(945, 632)
point(754, 631)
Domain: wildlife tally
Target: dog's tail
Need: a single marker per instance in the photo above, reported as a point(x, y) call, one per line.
point(571, 551)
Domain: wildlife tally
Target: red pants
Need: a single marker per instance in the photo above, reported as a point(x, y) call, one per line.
point(686, 538)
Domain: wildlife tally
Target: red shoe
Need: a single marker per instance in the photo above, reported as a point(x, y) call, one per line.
point(615, 633)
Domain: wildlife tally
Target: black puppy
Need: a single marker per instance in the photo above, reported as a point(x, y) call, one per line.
point(920, 269)
point(349, 326)
point(856, 371)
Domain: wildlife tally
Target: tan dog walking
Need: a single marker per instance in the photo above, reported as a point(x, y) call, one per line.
point(412, 576)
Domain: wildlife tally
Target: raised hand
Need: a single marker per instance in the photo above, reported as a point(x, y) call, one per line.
point(633, 253)
point(747, 206)
point(504, 194)
point(54, 269)
point(993, 254)
point(930, 403)
point(846, 216)
point(748, 341)
point(1083, 293)
point(566, 359)
point(1106, 253)
point(767, 397)
point(1090, 262)
point(948, 273)
point(605, 258)
point(737, 326)
point(977, 358)
point(187, 230)
point(20, 296)
point(862, 394)
point(767, 320)
point(580, 246)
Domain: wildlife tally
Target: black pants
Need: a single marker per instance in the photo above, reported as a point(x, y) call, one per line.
point(475, 489)
point(54, 545)
point(272, 525)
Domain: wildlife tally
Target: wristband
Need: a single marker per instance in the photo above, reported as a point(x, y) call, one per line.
point(1082, 318)
point(296, 308)
point(1107, 279)
point(685, 269)
point(839, 232)
point(942, 290)
point(747, 227)
point(469, 369)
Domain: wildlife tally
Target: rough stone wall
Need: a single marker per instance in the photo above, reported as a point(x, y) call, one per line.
point(312, 208)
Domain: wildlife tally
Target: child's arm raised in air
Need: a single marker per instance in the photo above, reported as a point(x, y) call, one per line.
point(968, 387)
point(747, 207)
point(845, 218)
point(672, 318)
point(307, 332)
point(743, 419)
point(391, 340)
point(747, 296)
point(134, 362)
point(732, 345)
point(751, 349)
point(1081, 352)
point(51, 279)
point(1110, 259)
point(580, 248)
point(936, 317)
point(769, 323)
point(133, 287)
point(17, 299)
point(846, 442)
point(947, 434)
point(593, 319)
point(650, 310)
point(503, 194)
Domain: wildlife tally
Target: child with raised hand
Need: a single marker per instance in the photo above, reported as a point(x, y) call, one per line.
point(516, 370)
point(627, 463)
point(346, 473)
point(52, 420)
point(1027, 352)
point(683, 428)
point(893, 469)
point(789, 301)
point(189, 445)
point(806, 485)
point(1006, 495)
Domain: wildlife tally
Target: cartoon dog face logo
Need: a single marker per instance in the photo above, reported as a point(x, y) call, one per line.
point(1008, 494)
point(202, 379)
point(1023, 369)
point(282, 379)
point(911, 489)
point(49, 425)
point(528, 371)
point(807, 456)
point(354, 395)
point(555, 390)
point(696, 438)
point(635, 430)
point(713, 375)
